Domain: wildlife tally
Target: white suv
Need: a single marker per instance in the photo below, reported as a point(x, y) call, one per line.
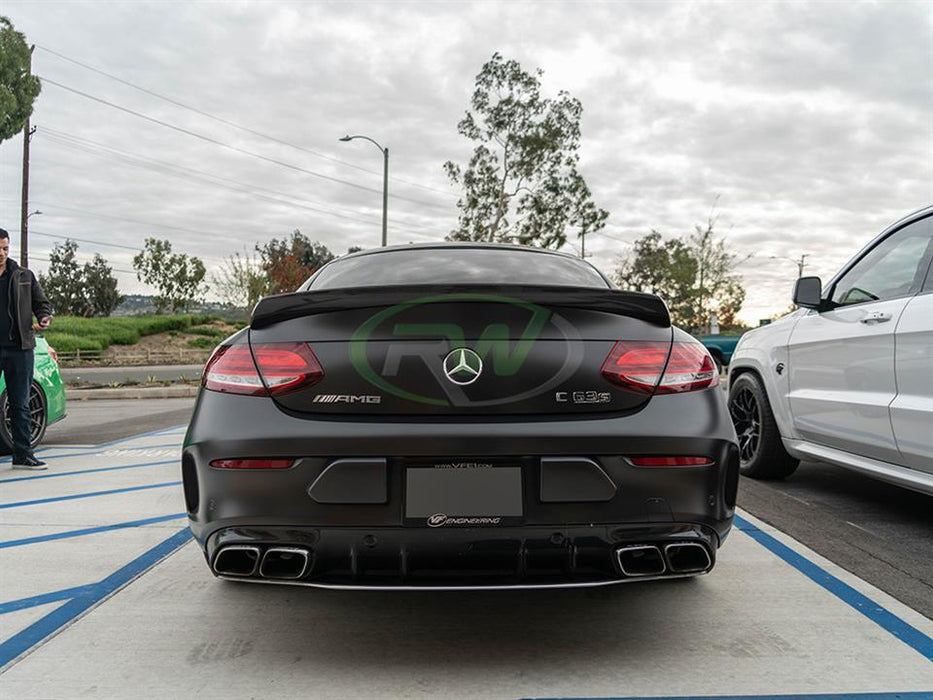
point(848, 377)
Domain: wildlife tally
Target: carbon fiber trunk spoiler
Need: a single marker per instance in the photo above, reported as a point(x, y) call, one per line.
point(283, 307)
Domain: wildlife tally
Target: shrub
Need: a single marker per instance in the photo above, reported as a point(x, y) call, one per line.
point(73, 332)
point(209, 332)
point(205, 343)
point(64, 342)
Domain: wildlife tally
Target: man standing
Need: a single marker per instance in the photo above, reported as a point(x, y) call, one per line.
point(20, 298)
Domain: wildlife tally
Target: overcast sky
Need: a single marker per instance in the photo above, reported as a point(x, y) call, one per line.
point(811, 124)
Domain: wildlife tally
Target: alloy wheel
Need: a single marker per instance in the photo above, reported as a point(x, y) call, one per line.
point(746, 416)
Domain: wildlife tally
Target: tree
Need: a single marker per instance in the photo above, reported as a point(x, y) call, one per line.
point(64, 283)
point(289, 262)
point(18, 88)
point(241, 281)
point(666, 268)
point(100, 287)
point(719, 289)
point(695, 276)
point(177, 277)
point(521, 184)
point(73, 290)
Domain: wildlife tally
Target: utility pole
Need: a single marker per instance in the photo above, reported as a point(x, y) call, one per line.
point(802, 263)
point(24, 210)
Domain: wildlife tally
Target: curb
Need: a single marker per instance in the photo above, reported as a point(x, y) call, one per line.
point(156, 392)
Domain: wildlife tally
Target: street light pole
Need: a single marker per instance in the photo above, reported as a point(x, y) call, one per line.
point(385, 196)
point(385, 184)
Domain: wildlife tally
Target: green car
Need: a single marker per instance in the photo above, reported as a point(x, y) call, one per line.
point(46, 396)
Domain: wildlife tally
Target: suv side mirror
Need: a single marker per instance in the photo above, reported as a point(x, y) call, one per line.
point(808, 293)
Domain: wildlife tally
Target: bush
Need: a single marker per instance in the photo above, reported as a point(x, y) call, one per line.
point(209, 332)
point(205, 343)
point(69, 333)
point(63, 342)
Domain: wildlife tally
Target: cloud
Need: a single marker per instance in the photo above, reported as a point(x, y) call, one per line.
point(811, 124)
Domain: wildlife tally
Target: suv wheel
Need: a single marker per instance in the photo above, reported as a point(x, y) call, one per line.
point(761, 452)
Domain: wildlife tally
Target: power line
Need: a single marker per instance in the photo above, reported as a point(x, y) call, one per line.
point(97, 215)
point(105, 244)
point(208, 139)
point(234, 124)
point(103, 150)
point(609, 235)
point(114, 269)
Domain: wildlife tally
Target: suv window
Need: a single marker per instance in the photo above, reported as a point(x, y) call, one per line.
point(893, 268)
point(456, 265)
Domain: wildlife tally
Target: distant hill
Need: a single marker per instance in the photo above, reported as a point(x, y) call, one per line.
point(139, 305)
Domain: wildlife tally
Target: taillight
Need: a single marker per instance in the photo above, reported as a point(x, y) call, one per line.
point(53, 354)
point(284, 367)
point(649, 367)
point(252, 463)
point(287, 366)
point(670, 461)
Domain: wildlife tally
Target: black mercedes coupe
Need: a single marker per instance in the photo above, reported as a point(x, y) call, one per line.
point(460, 416)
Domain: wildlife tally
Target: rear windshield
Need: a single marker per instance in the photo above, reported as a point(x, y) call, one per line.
point(456, 266)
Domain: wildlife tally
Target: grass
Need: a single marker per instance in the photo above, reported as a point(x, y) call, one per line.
point(70, 333)
point(204, 343)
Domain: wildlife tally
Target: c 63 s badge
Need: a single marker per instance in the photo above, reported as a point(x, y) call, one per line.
point(586, 397)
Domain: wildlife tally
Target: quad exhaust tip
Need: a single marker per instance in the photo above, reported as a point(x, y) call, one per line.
point(640, 560)
point(284, 563)
point(687, 558)
point(237, 560)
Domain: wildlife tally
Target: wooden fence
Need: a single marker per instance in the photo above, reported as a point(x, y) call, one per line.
point(150, 357)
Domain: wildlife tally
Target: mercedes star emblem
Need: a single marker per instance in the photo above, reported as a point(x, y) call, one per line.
point(463, 366)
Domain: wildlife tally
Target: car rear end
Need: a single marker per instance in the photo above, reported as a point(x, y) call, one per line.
point(454, 431)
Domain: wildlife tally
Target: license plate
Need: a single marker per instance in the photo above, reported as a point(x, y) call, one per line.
point(480, 496)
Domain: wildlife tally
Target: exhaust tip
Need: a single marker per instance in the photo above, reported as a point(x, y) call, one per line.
point(640, 560)
point(284, 563)
point(688, 558)
point(236, 560)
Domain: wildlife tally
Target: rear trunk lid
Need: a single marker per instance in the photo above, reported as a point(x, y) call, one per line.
point(460, 350)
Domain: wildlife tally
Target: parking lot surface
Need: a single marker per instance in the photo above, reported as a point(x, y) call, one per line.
point(105, 595)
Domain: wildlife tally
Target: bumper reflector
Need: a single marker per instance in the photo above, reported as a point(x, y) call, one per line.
point(671, 461)
point(252, 463)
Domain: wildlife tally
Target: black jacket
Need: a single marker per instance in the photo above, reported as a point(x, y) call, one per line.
point(26, 299)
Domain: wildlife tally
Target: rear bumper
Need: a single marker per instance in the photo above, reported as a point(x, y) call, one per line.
point(371, 544)
point(514, 557)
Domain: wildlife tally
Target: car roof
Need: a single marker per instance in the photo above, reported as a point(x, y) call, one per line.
point(459, 244)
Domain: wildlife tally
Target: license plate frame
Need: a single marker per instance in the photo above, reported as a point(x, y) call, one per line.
point(463, 494)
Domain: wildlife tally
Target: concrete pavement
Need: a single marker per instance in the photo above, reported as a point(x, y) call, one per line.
point(103, 592)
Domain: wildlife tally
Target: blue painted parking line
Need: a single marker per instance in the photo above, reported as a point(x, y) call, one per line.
point(904, 631)
point(922, 695)
point(36, 633)
point(153, 433)
point(43, 599)
point(165, 431)
point(20, 504)
point(89, 531)
point(89, 471)
point(91, 451)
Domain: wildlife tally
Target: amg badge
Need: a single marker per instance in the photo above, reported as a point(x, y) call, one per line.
point(346, 398)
